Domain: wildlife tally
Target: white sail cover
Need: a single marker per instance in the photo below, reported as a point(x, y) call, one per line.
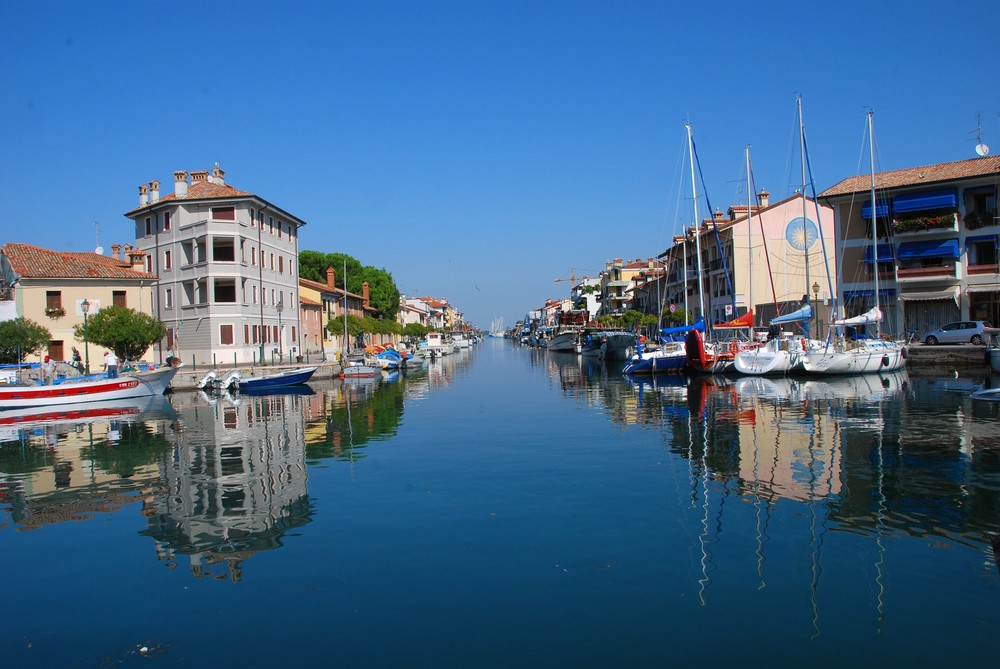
point(873, 315)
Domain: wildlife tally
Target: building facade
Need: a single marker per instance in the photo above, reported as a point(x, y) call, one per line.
point(937, 235)
point(227, 262)
point(53, 287)
point(766, 258)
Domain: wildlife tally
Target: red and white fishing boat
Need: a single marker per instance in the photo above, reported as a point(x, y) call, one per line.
point(21, 396)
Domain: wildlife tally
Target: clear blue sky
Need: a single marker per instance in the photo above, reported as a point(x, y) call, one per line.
point(476, 150)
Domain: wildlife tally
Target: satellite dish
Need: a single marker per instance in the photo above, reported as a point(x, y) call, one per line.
point(982, 150)
point(99, 250)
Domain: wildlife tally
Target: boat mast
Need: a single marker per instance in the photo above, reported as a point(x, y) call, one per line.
point(697, 228)
point(805, 218)
point(871, 157)
point(746, 152)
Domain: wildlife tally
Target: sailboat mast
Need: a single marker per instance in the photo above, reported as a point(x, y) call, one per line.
point(805, 218)
point(697, 228)
point(746, 152)
point(871, 157)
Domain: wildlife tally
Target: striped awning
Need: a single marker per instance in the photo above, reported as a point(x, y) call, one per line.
point(931, 295)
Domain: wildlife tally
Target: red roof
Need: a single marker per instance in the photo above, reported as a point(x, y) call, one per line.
point(33, 262)
point(200, 190)
point(917, 176)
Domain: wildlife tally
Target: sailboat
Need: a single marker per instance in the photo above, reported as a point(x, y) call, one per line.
point(348, 369)
point(782, 354)
point(860, 354)
point(709, 357)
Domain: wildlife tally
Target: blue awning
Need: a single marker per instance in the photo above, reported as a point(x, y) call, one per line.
point(981, 238)
point(926, 201)
point(939, 248)
point(884, 253)
point(881, 210)
point(859, 294)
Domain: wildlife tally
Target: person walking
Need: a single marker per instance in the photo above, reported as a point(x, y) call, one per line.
point(111, 364)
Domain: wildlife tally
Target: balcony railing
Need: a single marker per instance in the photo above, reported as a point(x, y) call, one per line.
point(925, 272)
point(984, 269)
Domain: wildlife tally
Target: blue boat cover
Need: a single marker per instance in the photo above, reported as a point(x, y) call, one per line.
point(884, 253)
point(938, 248)
point(671, 334)
point(803, 314)
point(926, 201)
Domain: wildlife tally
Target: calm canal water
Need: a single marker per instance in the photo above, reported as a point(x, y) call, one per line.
point(508, 508)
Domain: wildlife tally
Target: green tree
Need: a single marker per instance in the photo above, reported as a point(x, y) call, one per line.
point(20, 338)
point(127, 332)
point(383, 294)
point(415, 330)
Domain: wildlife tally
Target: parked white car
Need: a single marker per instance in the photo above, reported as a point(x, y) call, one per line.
point(960, 332)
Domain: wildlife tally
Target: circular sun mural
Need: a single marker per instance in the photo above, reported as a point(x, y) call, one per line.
point(801, 233)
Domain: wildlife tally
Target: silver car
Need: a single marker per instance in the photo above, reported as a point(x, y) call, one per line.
point(958, 333)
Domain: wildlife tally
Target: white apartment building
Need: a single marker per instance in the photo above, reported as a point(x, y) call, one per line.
point(227, 262)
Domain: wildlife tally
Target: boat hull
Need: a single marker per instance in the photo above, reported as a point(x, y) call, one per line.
point(101, 390)
point(289, 377)
point(868, 357)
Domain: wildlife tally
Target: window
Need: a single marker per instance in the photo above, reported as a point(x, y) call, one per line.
point(270, 224)
point(167, 259)
point(118, 298)
point(246, 333)
point(225, 291)
point(263, 296)
point(272, 262)
point(226, 334)
point(255, 294)
point(170, 338)
point(253, 256)
point(275, 329)
point(281, 264)
point(168, 298)
point(223, 249)
point(253, 219)
point(293, 333)
point(224, 213)
point(149, 264)
point(272, 297)
point(53, 299)
point(166, 221)
point(279, 229)
point(149, 226)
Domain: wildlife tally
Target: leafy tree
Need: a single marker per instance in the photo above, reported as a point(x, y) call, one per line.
point(383, 294)
point(631, 318)
point(20, 338)
point(678, 317)
point(355, 326)
point(415, 330)
point(127, 332)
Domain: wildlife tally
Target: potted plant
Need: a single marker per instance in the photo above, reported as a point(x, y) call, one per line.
point(55, 312)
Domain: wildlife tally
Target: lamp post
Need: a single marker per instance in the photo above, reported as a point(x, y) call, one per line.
point(815, 287)
point(85, 307)
point(279, 307)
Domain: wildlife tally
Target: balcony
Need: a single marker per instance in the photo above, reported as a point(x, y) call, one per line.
point(976, 270)
point(927, 273)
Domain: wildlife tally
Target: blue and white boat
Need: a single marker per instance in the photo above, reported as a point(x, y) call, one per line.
point(236, 382)
point(668, 357)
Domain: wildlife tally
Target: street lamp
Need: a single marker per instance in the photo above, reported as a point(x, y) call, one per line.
point(816, 305)
point(279, 307)
point(85, 307)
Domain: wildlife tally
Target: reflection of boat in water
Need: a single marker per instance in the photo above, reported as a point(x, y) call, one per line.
point(126, 386)
point(147, 406)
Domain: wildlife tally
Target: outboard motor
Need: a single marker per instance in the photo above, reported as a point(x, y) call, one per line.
point(207, 381)
point(232, 381)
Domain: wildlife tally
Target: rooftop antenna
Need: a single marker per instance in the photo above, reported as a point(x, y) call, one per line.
point(982, 150)
point(97, 231)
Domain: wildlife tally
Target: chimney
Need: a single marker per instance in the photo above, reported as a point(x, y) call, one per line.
point(143, 195)
point(154, 190)
point(649, 263)
point(128, 249)
point(199, 175)
point(331, 275)
point(364, 293)
point(137, 258)
point(762, 198)
point(718, 215)
point(181, 183)
point(218, 176)
point(618, 262)
point(116, 250)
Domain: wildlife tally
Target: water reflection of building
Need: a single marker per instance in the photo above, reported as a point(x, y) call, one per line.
point(53, 471)
point(233, 484)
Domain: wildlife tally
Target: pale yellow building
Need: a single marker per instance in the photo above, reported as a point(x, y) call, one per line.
point(52, 286)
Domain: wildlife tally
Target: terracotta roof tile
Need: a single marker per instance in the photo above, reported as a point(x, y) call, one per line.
point(200, 190)
point(917, 176)
point(33, 262)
